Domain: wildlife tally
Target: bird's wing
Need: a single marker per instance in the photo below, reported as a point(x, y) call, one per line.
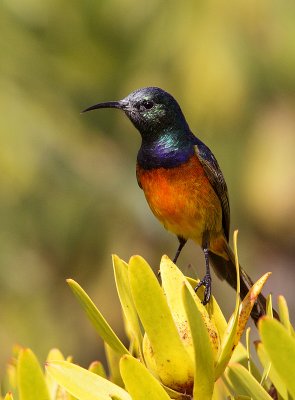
point(217, 181)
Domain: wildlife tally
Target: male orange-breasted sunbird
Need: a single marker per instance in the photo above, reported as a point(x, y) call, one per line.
point(183, 184)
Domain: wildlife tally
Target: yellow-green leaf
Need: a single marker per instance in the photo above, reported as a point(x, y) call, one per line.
point(8, 396)
point(53, 355)
point(83, 384)
point(97, 368)
point(244, 312)
point(174, 366)
point(244, 383)
point(238, 321)
point(173, 394)
point(204, 359)
point(100, 324)
point(272, 373)
point(220, 392)
point(124, 292)
point(269, 309)
point(247, 305)
point(172, 283)
point(214, 312)
point(240, 356)
point(280, 349)
point(227, 342)
point(11, 374)
point(113, 360)
point(139, 382)
point(284, 314)
point(30, 377)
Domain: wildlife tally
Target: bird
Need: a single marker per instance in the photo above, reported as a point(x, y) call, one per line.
point(183, 185)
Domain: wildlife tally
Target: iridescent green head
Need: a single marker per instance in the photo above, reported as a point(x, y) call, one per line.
point(151, 110)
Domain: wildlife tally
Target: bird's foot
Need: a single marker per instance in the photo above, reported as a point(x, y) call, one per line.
point(206, 281)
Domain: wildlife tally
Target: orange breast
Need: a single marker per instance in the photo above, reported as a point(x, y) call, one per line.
point(183, 199)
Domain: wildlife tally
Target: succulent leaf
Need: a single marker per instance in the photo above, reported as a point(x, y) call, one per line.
point(174, 366)
point(97, 368)
point(228, 339)
point(30, 377)
point(214, 312)
point(172, 283)
point(273, 375)
point(83, 384)
point(52, 385)
point(279, 346)
point(126, 300)
point(8, 396)
point(113, 360)
point(244, 383)
point(204, 357)
point(139, 382)
point(100, 324)
point(284, 314)
point(239, 319)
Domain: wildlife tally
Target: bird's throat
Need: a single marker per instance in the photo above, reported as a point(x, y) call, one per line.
point(167, 151)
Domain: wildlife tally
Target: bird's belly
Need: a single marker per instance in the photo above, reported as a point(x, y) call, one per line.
point(183, 199)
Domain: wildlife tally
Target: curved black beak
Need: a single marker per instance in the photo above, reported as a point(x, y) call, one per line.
point(108, 104)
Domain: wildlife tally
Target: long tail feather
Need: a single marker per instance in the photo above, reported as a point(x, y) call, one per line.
point(225, 269)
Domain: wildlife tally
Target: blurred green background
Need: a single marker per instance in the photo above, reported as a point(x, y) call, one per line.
point(69, 196)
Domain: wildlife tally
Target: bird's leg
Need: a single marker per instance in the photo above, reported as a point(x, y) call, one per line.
point(206, 281)
point(182, 242)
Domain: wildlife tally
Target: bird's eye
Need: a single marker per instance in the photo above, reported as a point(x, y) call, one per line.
point(147, 104)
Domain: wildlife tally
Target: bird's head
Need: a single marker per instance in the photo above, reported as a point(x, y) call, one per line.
point(151, 110)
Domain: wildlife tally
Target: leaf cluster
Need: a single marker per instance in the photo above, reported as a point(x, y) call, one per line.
point(178, 348)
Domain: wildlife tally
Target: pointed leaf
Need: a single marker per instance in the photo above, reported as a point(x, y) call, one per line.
point(248, 349)
point(31, 380)
point(172, 283)
point(227, 342)
point(173, 394)
point(247, 305)
point(273, 375)
point(242, 319)
point(53, 355)
point(280, 349)
point(8, 396)
point(220, 392)
point(113, 360)
point(139, 382)
point(204, 359)
point(240, 356)
point(238, 321)
point(97, 368)
point(244, 383)
point(100, 324)
point(83, 384)
point(11, 373)
point(214, 312)
point(284, 314)
point(174, 366)
point(125, 296)
point(269, 309)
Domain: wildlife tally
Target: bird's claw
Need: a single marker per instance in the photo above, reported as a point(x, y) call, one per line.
point(206, 281)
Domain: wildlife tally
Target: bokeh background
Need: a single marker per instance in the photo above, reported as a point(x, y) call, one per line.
point(69, 197)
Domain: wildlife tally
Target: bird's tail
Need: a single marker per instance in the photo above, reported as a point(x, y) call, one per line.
point(226, 269)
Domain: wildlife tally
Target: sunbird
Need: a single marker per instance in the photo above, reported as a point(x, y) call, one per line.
point(183, 184)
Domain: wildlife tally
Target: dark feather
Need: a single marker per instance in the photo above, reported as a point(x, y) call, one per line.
point(217, 181)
